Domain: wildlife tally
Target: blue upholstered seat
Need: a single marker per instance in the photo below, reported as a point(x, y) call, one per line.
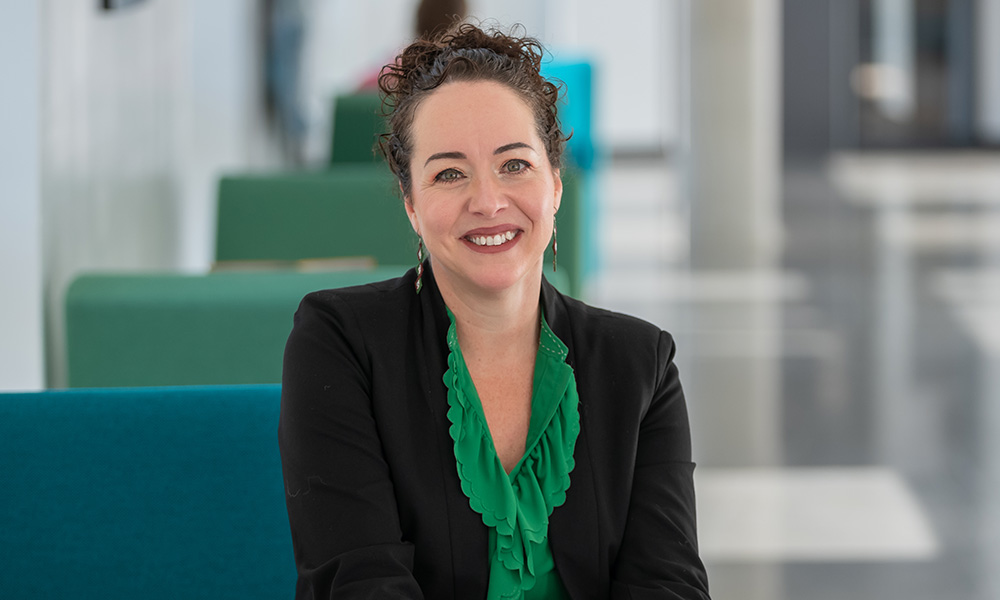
point(170, 492)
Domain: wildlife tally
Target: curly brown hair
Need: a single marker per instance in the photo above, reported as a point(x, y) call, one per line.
point(464, 53)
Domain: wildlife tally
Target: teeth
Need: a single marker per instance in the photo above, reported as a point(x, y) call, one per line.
point(492, 240)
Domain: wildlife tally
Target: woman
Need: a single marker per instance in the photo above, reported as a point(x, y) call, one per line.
point(466, 431)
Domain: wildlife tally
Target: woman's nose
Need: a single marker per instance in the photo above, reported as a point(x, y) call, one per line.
point(488, 198)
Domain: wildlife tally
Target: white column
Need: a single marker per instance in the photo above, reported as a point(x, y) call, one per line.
point(733, 164)
point(733, 172)
point(21, 333)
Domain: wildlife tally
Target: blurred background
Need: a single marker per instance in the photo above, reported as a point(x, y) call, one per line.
point(806, 193)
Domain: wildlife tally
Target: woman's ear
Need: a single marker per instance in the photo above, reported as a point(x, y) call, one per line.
point(557, 175)
point(410, 213)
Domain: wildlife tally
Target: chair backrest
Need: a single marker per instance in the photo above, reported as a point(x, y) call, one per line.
point(357, 122)
point(173, 329)
point(155, 493)
point(352, 211)
point(570, 235)
point(576, 108)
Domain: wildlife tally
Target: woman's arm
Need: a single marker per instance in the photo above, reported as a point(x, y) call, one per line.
point(658, 557)
point(339, 492)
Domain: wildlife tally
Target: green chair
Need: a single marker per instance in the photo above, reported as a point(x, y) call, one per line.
point(569, 225)
point(357, 123)
point(154, 493)
point(173, 329)
point(348, 211)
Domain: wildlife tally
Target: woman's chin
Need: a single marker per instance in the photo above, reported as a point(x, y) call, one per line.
point(498, 280)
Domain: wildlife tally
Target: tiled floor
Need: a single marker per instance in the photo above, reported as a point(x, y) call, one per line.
point(845, 401)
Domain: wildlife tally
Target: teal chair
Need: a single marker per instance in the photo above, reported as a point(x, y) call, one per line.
point(153, 493)
point(576, 108)
point(583, 155)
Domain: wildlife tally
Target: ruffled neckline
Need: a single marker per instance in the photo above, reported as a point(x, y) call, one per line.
point(516, 507)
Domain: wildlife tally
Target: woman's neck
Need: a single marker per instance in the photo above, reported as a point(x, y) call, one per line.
point(494, 321)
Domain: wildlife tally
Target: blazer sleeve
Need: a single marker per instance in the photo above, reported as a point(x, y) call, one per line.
point(658, 557)
point(338, 489)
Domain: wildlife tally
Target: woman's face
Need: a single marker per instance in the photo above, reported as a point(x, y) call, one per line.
point(483, 196)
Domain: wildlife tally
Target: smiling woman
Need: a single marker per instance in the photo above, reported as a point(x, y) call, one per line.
point(466, 431)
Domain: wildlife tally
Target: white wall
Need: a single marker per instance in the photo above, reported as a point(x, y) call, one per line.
point(21, 334)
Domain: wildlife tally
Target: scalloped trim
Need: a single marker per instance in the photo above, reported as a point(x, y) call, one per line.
point(517, 508)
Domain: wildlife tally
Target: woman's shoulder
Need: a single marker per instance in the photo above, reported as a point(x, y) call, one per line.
point(608, 326)
point(368, 303)
point(363, 295)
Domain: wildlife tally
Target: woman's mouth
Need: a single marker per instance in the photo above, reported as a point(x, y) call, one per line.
point(492, 240)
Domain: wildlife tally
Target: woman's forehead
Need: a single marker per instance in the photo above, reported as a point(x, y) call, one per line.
point(473, 114)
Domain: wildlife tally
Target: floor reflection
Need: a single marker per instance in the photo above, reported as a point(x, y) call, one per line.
point(845, 403)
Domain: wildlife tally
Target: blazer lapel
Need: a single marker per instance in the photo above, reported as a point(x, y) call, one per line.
point(574, 527)
point(470, 570)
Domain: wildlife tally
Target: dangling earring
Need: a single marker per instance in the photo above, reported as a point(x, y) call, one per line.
point(420, 265)
point(555, 246)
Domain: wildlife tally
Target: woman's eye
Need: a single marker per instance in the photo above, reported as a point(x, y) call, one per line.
point(448, 175)
point(515, 166)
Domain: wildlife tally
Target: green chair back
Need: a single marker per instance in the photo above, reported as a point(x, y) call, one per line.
point(357, 123)
point(349, 211)
point(569, 234)
point(174, 329)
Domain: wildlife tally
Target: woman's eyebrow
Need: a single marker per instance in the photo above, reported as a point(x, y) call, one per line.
point(514, 146)
point(459, 155)
point(441, 155)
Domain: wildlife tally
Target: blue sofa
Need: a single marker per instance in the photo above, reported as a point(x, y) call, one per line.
point(124, 493)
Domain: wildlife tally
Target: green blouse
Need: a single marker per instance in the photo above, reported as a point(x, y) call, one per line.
point(516, 507)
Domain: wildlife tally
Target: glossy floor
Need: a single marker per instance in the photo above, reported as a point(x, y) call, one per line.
point(845, 400)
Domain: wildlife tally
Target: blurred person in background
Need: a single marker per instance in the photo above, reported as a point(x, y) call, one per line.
point(284, 24)
point(431, 17)
point(434, 16)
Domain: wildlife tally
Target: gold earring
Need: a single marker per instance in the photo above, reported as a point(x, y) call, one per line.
point(555, 245)
point(419, 284)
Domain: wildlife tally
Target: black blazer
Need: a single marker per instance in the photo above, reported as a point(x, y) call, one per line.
point(374, 499)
